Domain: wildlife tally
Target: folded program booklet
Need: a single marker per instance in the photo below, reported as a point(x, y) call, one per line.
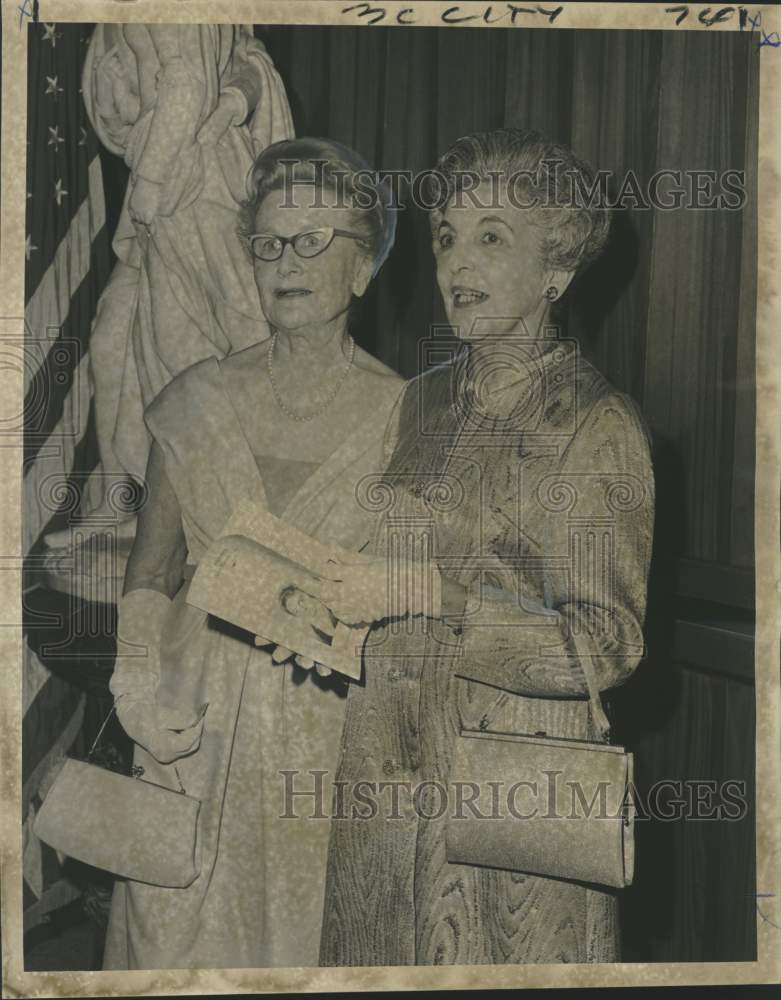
point(255, 576)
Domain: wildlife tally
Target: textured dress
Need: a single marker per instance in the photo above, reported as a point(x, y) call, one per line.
point(543, 511)
point(258, 899)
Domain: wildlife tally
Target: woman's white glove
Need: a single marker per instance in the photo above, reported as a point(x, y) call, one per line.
point(281, 654)
point(165, 733)
point(373, 589)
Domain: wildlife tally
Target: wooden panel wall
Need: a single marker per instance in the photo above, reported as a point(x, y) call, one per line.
point(693, 895)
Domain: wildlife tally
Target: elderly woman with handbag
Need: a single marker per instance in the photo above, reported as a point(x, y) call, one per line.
point(519, 504)
point(293, 424)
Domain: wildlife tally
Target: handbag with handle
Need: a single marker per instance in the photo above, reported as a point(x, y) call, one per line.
point(565, 809)
point(121, 824)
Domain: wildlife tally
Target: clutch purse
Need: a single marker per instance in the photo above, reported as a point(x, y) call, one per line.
point(121, 824)
point(566, 809)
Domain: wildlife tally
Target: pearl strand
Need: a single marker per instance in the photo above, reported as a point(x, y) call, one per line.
point(291, 414)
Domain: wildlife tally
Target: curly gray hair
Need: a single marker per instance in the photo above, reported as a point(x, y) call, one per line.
point(572, 233)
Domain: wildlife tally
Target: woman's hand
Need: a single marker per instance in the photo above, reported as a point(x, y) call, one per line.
point(358, 593)
point(371, 590)
point(281, 654)
point(166, 734)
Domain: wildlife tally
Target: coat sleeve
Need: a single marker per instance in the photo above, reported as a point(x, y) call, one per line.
point(594, 515)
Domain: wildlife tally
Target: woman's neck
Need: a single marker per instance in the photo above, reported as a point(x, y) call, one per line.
point(317, 348)
point(527, 331)
point(505, 364)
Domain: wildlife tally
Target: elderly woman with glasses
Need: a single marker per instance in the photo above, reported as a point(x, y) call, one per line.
point(292, 423)
point(519, 511)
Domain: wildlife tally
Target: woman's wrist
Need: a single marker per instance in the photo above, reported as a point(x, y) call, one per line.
point(141, 614)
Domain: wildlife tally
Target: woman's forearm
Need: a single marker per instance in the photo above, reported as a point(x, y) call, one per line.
point(160, 550)
point(166, 578)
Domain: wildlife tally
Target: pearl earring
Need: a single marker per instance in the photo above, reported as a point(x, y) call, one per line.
point(552, 293)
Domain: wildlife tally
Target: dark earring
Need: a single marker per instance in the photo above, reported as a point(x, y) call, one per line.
point(552, 293)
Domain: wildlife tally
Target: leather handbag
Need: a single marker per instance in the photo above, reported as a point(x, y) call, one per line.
point(121, 824)
point(564, 809)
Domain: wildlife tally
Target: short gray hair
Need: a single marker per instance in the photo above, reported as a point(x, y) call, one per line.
point(330, 165)
point(572, 232)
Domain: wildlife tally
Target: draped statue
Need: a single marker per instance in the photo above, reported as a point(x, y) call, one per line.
point(188, 107)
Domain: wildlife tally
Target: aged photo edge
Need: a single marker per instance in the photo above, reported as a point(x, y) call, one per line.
point(17, 982)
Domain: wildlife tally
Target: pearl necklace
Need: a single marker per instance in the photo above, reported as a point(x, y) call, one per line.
point(291, 414)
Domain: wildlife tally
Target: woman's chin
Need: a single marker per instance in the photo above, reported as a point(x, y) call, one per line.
point(464, 322)
point(478, 329)
point(290, 319)
point(472, 333)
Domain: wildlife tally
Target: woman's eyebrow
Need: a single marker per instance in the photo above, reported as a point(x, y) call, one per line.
point(495, 218)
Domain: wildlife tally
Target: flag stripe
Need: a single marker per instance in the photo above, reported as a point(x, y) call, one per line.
point(63, 369)
point(48, 304)
point(49, 485)
point(59, 748)
point(35, 676)
point(59, 894)
point(56, 711)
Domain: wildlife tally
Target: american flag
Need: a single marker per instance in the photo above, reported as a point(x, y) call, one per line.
point(68, 261)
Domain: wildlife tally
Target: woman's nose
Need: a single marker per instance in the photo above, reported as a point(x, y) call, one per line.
point(460, 259)
point(289, 262)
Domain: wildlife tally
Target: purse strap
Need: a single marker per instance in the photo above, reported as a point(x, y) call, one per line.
point(586, 662)
point(597, 711)
point(137, 771)
point(100, 732)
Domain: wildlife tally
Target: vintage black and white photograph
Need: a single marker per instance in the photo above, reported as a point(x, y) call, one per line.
point(389, 486)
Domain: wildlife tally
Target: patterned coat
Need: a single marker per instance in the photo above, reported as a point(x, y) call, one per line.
point(542, 507)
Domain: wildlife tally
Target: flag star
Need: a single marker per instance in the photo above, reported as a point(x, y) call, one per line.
point(59, 192)
point(29, 194)
point(52, 87)
point(54, 137)
point(50, 34)
point(83, 139)
point(28, 247)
